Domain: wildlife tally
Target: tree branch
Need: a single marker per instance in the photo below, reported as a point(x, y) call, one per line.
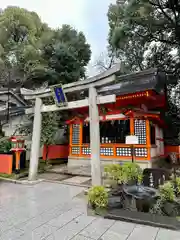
point(157, 39)
point(162, 10)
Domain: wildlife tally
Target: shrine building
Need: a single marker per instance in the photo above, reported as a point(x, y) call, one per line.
point(140, 99)
point(128, 105)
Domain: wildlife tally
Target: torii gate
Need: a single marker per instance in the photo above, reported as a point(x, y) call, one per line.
point(100, 80)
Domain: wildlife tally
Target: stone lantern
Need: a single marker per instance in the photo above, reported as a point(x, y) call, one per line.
point(17, 146)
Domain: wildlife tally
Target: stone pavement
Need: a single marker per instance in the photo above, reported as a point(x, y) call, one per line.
point(74, 170)
point(51, 211)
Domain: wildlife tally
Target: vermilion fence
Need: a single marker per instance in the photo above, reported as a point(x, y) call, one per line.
point(55, 152)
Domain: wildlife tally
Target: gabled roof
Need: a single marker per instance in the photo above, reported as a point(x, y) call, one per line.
point(6, 91)
point(151, 79)
point(16, 106)
point(15, 111)
point(110, 82)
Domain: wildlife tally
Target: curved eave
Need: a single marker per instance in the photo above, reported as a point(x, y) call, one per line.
point(138, 82)
point(16, 111)
point(6, 92)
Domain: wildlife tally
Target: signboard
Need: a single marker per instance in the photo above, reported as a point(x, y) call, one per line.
point(59, 95)
point(131, 139)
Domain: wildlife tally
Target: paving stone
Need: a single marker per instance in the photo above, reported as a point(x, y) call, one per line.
point(97, 228)
point(77, 180)
point(165, 234)
point(5, 226)
point(118, 231)
point(43, 218)
point(55, 212)
point(31, 224)
point(148, 232)
point(113, 236)
point(80, 237)
point(43, 231)
point(20, 219)
point(12, 234)
point(73, 228)
point(29, 209)
point(65, 218)
point(122, 227)
point(52, 176)
point(25, 236)
point(51, 237)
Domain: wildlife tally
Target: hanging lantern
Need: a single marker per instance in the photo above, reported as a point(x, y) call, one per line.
point(17, 146)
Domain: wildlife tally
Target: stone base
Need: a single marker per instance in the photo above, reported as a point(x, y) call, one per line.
point(83, 162)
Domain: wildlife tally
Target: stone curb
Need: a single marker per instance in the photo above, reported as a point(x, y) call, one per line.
point(24, 182)
point(68, 173)
point(64, 183)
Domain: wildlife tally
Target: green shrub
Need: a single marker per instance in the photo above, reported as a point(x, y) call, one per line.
point(167, 192)
point(132, 172)
point(157, 207)
point(114, 172)
point(5, 146)
point(98, 197)
point(176, 183)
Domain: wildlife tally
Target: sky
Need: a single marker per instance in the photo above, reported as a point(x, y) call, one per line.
point(88, 16)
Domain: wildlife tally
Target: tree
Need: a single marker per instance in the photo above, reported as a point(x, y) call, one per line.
point(49, 128)
point(105, 61)
point(37, 54)
point(65, 55)
point(40, 53)
point(19, 32)
point(144, 33)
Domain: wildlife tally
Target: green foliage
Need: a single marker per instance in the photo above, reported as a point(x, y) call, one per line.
point(39, 53)
point(128, 172)
point(131, 172)
point(176, 183)
point(114, 172)
point(5, 146)
point(145, 34)
point(98, 197)
point(138, 26)
point(18, 26)
point(167, 192)
point(34, 53)
point(50, 124)
point(157, 207)
point(19, 31)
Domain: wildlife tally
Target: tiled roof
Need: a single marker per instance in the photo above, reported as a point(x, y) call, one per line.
point(136, 82)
